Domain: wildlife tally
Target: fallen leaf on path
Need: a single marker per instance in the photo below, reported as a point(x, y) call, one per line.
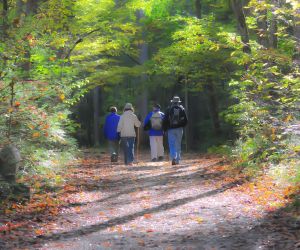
point(199, 220)
point(141, 243)
point(147, 216)
point(39, 231)
point(106, 244)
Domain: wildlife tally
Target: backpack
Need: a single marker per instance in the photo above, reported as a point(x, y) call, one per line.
point(176, 117)
point(156, 121)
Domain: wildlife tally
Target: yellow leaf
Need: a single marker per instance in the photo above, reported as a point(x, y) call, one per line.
point(62, 97)
point(288, 118)
point(199, 220)
point(77, 209)
point(7, 211)
point(36, 134)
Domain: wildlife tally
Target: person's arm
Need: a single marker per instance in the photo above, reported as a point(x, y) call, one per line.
point(120, 125)
point(137, 123)
point(166, 120)
point(147, 119)
point(185, 119)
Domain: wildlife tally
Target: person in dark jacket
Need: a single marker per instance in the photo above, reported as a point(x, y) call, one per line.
point(111, 134)
point(174, 121)
point(154, 121)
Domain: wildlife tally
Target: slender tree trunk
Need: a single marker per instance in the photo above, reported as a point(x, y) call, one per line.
point(237, 7)
point(186, 105)
point(142, 100)
point(96, 115)
point(262, 24)
point(198, 7)
point(297, 36)
point(31, 6)
point(4, 18)
point(273, 32)
point(214, 108)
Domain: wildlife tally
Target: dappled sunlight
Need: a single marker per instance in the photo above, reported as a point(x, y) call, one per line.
point(149, 202)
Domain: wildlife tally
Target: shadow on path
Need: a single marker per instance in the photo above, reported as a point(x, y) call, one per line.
point(122, 220)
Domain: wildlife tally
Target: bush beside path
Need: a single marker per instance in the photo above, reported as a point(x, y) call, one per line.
point(203, 203)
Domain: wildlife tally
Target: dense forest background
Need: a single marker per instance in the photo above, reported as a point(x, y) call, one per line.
point(234, 63)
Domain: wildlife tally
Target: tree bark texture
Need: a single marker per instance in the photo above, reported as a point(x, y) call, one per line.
point(96, 115)
point(297, 36)
point(142, 100)
point(273, 33)
point(198, 8)
point(262, 25)
point(4, 18)
point(237, 7)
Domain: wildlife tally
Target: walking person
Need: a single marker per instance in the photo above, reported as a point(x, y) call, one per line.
point(111, 134)
point(126, 127)
point(175, 120)
point(154, 122)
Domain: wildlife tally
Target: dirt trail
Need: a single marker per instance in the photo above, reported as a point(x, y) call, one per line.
point(194, 205)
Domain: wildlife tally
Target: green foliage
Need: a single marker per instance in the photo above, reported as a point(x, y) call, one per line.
point(53, 55)
point(268, 96)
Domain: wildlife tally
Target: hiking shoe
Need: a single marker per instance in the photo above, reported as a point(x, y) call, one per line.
point(173, 162)
point(114, 157)
point(154, 159)
point(161, 158)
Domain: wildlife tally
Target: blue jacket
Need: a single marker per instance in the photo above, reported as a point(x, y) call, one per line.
point(153, 132)
point(110, 126)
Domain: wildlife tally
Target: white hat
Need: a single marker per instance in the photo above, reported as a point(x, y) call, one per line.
point(128, 106)
point(176, 99)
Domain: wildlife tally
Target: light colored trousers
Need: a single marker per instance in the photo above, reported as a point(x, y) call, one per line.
point(157, 147)
point(175, 138)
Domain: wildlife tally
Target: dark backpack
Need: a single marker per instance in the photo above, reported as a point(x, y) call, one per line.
point(156, 121)
point(176, 116)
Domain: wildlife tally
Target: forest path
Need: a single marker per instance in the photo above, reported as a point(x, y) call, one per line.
point(195, 205)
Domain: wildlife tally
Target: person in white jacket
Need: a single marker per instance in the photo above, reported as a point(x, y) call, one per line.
point(126, 127)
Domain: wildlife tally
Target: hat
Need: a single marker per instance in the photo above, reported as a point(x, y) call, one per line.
point(113, 109)
point(128, 106)
point(156, 105)
point(176, 99)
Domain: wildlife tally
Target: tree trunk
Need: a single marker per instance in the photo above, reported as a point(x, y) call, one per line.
point(31, 6)
point(198, 8)
point(96, 115)
point(297, 36)
point(213, 108)
point(273, 32)
point(142, 100)
point(4, 18)
point(237, 7)
point(262, 24)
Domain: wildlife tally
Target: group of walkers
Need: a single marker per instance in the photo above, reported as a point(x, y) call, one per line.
point(123, 128)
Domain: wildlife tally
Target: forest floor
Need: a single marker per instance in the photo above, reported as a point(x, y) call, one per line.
point(202, 203)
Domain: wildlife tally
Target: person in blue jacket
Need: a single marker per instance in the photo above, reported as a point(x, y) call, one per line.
point(111, 134)
point(154, 123)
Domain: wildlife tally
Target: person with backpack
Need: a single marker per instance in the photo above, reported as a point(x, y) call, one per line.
point(154, 123)
point(174, 121)
point(126, 127)
point(111, 134)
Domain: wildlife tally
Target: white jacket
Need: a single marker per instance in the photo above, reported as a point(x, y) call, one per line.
point(127, 122)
